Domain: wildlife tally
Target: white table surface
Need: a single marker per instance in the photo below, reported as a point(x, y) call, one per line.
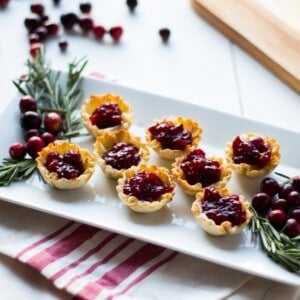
point(198, 65)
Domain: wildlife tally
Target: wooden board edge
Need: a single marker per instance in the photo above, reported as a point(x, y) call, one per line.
point(246, 45)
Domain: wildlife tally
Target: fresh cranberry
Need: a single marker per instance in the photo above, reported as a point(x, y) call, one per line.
point(34, 145)
point(285, 189)
point(31, 119)
point(47, 137)
point(132, 4)
point(277, 218)
point(52, 28)
point(37, 8)
point(270, 186)
point(116, 33)
point(261, 202)
point(171, 136)
point(32, 23)
point(85, 7)
point(223, 208)
point(253, 152)
point(34, 38)
point(42, 32)
point(98, 31)
point(86, 23)
point(68, 20)
point(164, 34)
point(27, 103)
point(296, 182)
point(17, 151)
point(280, 204)
point(106, 115)
point(292, 228)
point(4, 3)
point(36, 49)
point(198, 169)
point(293, 198)
point(31, 132)
point(295, 213)
point(63, 45)
point(53, 122)
point(122, 156)
point(146, 186)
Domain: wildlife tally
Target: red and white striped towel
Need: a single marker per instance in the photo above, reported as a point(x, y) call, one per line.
point(90, 263)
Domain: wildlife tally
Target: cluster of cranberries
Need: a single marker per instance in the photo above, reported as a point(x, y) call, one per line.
point(68, 165)
point(39, 129)
point(280, 203)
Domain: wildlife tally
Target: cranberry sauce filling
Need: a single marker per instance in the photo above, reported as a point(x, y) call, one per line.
point(198, 169)
point(68, 165)
point(221, 209)
point(253, 152)
point(122, 156)
point(171, 136)
point(106, 115)
point(146, 186)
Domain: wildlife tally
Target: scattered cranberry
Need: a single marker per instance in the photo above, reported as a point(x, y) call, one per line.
point(63, 45)
point(277, 218)
point(261, 202)
point(292, 228)
point(34, 38)
point(3, 3)
point(53, 122)
point(47, 137)
point(98, 31)
point(68, 20)
point(34, 145)
point(31, 132)
point(32, 23)
point(280, 204)
point(132, 4)
point(270, 186)
point(293, 198)
point(42, 32)
point(164, 34)
point(86, 23)
point(295, 213)
point(52, 28)
point(36, 49)
point(285, 189)
point(85, 7)
point(37, 8)
point(27, 103)
point(17, 151)
point(116, 33)
point(31, 119)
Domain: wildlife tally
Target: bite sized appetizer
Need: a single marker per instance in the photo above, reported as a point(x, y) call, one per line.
point(172, 137)
point(117, 151)
point(100, 113)
point(65, 165)
point(221, 212)
point(195, 171)
point(253, 154)
point(146, 188)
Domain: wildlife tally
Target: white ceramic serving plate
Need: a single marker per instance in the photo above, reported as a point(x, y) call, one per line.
point(97, 203)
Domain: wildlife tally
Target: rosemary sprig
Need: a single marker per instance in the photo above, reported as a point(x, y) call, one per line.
point(46, 87)
point(278, 246)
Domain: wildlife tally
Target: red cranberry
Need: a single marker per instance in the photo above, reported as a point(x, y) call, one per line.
point(34, 38)
point(85, 7)
point(37, 8)
point(53, 122)
point(52, 28)
point(285, 189)
point(32, 23)
point(171, 136)
point(34, 145)
point(3, 3)
point(116, 33)
point(31, 132)
point(47, 137)
point(277, 218)
point(31, 119)
point(36, 49)
point(261, 202)
point(17, 151)
point(292, 228)
point(146, 186)
point(122, 156)
point(98, 31)
point(27, 103)
point(280, 204)
point(63, 45)
point(42, 32)
point(164, 34)
point(86, 23)
point(296, 182)
point(293, 198)
point(295, 213)
point(132, 4)
point(68, 20)
point(270, 186)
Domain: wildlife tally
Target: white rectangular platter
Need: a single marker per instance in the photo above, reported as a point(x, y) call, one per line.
point(97, 203)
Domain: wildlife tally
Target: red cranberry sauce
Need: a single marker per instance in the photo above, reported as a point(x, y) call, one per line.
point(253, 152)
point(68, 165)
point(106, 115)
point(171, 136)
point(220, 209)
point(198, 169)
point(146, 187)
point(122, 156)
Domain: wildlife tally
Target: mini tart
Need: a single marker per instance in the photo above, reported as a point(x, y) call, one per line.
point(95, 101)
point(140, 205)
point(251, 170)
point(225, 227)
point(188, 124)
point(192, 189)
point(107, 140)
point(52, 178)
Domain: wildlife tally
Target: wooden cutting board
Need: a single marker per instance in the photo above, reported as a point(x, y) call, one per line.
point(268, 30)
